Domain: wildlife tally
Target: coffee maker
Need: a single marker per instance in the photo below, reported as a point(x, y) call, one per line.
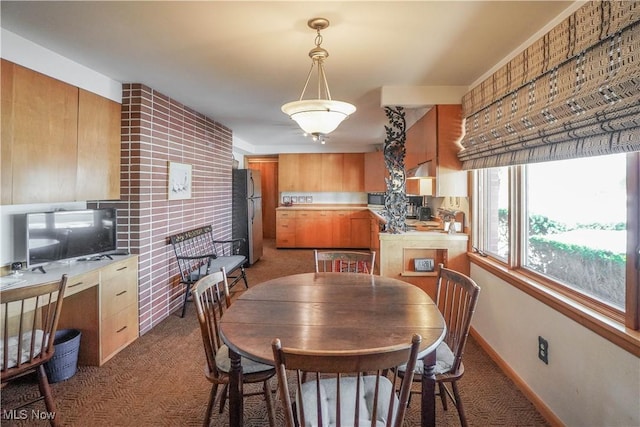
point(414, 203)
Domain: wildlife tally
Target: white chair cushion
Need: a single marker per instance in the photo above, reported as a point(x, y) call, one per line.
point(26, 348)
point(223, 362)
point(347, 405)
point(444, 361)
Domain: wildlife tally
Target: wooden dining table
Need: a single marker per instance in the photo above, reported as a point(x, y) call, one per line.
point(330, 311)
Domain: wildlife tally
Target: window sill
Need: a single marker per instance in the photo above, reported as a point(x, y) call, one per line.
point(611, 330)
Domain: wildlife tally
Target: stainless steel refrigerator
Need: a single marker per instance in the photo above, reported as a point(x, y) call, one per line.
point(247, 212)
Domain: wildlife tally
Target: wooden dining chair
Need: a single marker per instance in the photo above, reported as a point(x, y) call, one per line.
point(346, 388)
point(456, 298)
point(28, 322)
point(344, 261)
point(212, 298)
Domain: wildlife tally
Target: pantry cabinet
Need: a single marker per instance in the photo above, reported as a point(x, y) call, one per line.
point(59, 143)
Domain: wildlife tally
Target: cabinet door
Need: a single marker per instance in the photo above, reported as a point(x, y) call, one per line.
point(375, 172)
point(43, 137)
point(6, 142)
point(288, 172)
point(313, 229)
point(341, 229)
point(98, 175)
point(353, 172)
point(360, 230)
point(332, 172)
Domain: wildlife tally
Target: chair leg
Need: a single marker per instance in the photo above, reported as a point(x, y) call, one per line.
point(223, 397)
point(212, 400)
point(443, 395)
point(45, 391)
point(270, 407)
point(186, 297)
point(244, 277)
point(459, 407)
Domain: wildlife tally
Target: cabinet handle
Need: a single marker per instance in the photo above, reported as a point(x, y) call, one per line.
point(121, 293)
point(76, 284)
point(121, 329)
point(122, 268)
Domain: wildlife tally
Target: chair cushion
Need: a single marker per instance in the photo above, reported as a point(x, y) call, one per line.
point(347, 406)
point(223, 362)
point(444, 361)
point(26, 348)
point(230, 263)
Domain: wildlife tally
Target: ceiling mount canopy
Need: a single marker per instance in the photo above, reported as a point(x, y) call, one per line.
point(321, 116)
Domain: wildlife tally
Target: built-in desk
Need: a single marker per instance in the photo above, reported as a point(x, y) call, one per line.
point(101, 300)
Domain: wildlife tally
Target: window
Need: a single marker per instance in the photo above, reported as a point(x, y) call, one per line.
point(495, 216)
point(564, 224)
point(576, 217)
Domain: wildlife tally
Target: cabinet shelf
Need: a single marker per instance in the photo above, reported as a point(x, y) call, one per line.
point(409, 255)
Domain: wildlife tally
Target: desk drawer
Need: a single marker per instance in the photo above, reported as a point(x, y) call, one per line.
point(81, 282)
point(118, 331)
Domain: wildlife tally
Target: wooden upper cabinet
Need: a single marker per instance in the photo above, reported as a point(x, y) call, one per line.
point(98, 176)
point(451, 180)
point(40, 137)
point(59, 143)
point(318, 172)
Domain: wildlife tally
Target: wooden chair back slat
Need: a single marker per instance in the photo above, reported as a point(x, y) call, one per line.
point(352, 369)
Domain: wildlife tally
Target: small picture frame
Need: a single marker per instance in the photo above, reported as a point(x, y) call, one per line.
point(423, 264)
point(179, 185)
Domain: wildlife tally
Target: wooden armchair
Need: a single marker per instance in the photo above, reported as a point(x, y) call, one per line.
point(346, 388)
point(345, 261)
point(456, 298)
point(211, 296)
point(198, 254)
point(29, 319)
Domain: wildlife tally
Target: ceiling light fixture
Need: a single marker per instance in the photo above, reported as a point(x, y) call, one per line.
point(318, 117)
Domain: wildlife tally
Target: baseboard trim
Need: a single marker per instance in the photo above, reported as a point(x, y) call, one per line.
point(544, 410)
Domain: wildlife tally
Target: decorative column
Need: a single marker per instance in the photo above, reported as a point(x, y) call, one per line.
point(395, 200)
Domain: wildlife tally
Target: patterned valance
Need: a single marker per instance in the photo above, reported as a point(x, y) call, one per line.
point(573, 93)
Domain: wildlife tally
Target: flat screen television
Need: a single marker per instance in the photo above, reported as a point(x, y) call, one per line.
point(62, 235)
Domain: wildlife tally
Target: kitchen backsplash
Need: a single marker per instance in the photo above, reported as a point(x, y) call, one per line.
point(298, 197)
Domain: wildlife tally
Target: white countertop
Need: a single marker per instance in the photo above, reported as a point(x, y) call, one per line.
point(55, 270)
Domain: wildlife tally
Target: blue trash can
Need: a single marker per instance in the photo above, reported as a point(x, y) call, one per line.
point(64, 363)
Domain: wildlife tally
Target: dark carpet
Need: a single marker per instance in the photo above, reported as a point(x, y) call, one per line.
point(159, 379)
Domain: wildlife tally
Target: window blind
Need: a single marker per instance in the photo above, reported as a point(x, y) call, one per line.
point(573, 93)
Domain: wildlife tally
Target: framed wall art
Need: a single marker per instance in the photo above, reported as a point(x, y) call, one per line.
point(179, 186)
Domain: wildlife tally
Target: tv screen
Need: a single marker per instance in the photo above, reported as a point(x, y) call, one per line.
point(55, 236)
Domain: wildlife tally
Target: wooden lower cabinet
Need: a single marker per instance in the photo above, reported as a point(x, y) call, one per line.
point(316, 228)
point(103, 305)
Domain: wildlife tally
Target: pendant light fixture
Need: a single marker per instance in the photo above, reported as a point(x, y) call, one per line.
point(321, 116)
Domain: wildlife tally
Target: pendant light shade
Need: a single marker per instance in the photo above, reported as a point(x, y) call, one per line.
point(321, 116)
point(318, 116)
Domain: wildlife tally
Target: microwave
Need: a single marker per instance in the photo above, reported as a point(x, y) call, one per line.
point(375, 199)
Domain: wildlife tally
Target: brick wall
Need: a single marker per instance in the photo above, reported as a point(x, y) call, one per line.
point(157, 130)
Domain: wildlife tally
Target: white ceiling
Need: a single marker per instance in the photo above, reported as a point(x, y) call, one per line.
point(239, 61)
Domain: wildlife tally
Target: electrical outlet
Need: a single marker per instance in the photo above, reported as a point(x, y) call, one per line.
point(543, 350)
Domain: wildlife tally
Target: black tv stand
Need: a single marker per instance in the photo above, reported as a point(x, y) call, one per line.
point(41, 268)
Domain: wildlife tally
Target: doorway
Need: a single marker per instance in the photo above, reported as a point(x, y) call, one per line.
point(268, 167)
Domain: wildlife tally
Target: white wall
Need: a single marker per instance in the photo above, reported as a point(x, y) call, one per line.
point(588, 381)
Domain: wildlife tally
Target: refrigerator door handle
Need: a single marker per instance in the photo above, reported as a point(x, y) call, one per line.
point(253, 209)
point(252, 191)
